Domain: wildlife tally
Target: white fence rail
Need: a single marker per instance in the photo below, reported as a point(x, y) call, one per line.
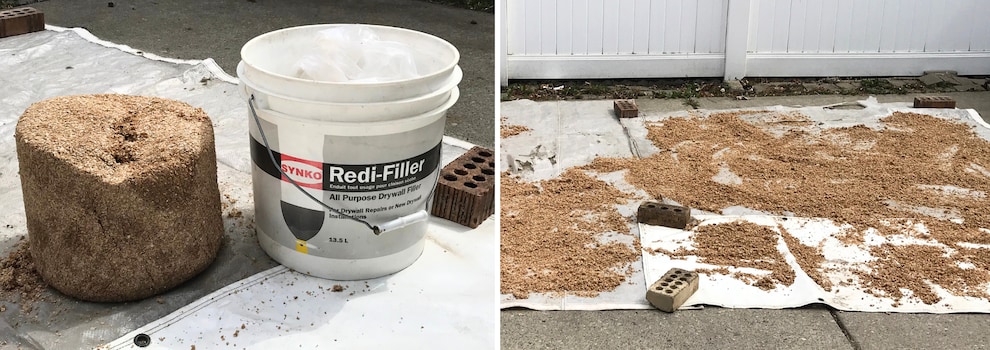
point(561, 39)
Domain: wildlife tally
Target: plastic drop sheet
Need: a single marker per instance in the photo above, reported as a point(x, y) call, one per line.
point(448, 294)
point(565, 134)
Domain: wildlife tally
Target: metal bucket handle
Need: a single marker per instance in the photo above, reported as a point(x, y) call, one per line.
point(402, 221)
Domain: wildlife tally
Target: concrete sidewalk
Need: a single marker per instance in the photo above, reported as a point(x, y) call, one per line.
point(811, 327)
point(218, 28)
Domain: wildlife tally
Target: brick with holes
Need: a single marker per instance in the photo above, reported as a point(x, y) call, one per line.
point(671, 291)
point(465, 192)
point(21, 20)
point(625, 108)
point(662, 214)
point(934, 102)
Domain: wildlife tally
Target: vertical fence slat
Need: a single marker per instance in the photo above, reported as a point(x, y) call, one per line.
point(515, 28)
point(795, 31)
point(959, 12)
point(658, 27)
point(579, 25)
point(781, 23)
point(641, 27)
point(888, 25)
point(906, 21)
point(857, 26)
point(596, 17)
point(565, 18)
point(981, 29)
point(843, 26)
point(873, 23)
point(532, 27)
point(764, 25)
point(812, 26)
point(610, 31)
point(960, 32)
point(703, 28)
point(935, 39)
point(689, 18)
point(830, 17)
point(920, 29)
point(672, 36)
point(626, 26)
point(722, 19)
point(548, 27)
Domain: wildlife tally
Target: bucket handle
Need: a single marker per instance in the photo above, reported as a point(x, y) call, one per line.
point(402, 221)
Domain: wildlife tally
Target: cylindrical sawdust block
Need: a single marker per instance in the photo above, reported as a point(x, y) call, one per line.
point(120, 194)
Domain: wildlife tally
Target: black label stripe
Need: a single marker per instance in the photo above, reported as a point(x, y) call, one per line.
point(259, 155)
point(363, 177)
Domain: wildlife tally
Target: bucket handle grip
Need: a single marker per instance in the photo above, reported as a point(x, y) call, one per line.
point(396, 223)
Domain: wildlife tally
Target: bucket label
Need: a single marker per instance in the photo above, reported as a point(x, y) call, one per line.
point(347, 177)
point(307, 173)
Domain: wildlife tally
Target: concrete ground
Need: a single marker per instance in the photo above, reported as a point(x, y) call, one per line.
point(218, 28)
point(812, 327)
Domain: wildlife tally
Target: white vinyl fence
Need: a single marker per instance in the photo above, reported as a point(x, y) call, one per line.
point(570, 39)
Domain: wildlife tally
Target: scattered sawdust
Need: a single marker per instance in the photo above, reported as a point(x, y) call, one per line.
point(551, 236)
point(18, 278)
point(742, 245)
point(509, 130)
point(856, 175)
point(809, 258)
point(921, 263)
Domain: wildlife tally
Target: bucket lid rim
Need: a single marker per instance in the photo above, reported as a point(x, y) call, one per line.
point(446, 69)
point(455, 78)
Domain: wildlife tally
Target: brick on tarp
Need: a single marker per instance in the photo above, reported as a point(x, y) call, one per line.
point(625, 108)
point(21, 20)
point(662, 214)
point(671, 291)
point(934, 102)
point(465, 192)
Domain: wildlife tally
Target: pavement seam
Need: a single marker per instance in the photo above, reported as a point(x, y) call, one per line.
point(845, 331)
point(632, 144)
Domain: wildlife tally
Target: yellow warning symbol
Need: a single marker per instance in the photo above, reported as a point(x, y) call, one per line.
point(301, 246)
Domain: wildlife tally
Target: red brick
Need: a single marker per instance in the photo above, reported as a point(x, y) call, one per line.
point(21, 20)
point(934, 102)
point(465, 192)
point(625, 108)
point(661, 214)
point(671, 291)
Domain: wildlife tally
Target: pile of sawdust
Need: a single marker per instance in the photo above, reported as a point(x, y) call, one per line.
point(859, 176)
point(551, 235)
point(509, 130)
point(19, 282)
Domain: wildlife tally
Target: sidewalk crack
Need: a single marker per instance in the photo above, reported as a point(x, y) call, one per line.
point(845, 331)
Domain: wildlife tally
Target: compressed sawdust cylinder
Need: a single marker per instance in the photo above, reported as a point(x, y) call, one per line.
point(120, 194)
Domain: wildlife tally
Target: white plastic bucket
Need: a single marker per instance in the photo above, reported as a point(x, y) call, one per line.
point(374, 157)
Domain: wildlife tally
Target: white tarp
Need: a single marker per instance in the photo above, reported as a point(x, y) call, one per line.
point(446, 299)
point(572, 133)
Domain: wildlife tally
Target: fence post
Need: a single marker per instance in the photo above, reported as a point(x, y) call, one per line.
point(736, 38)
point(500, 34)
